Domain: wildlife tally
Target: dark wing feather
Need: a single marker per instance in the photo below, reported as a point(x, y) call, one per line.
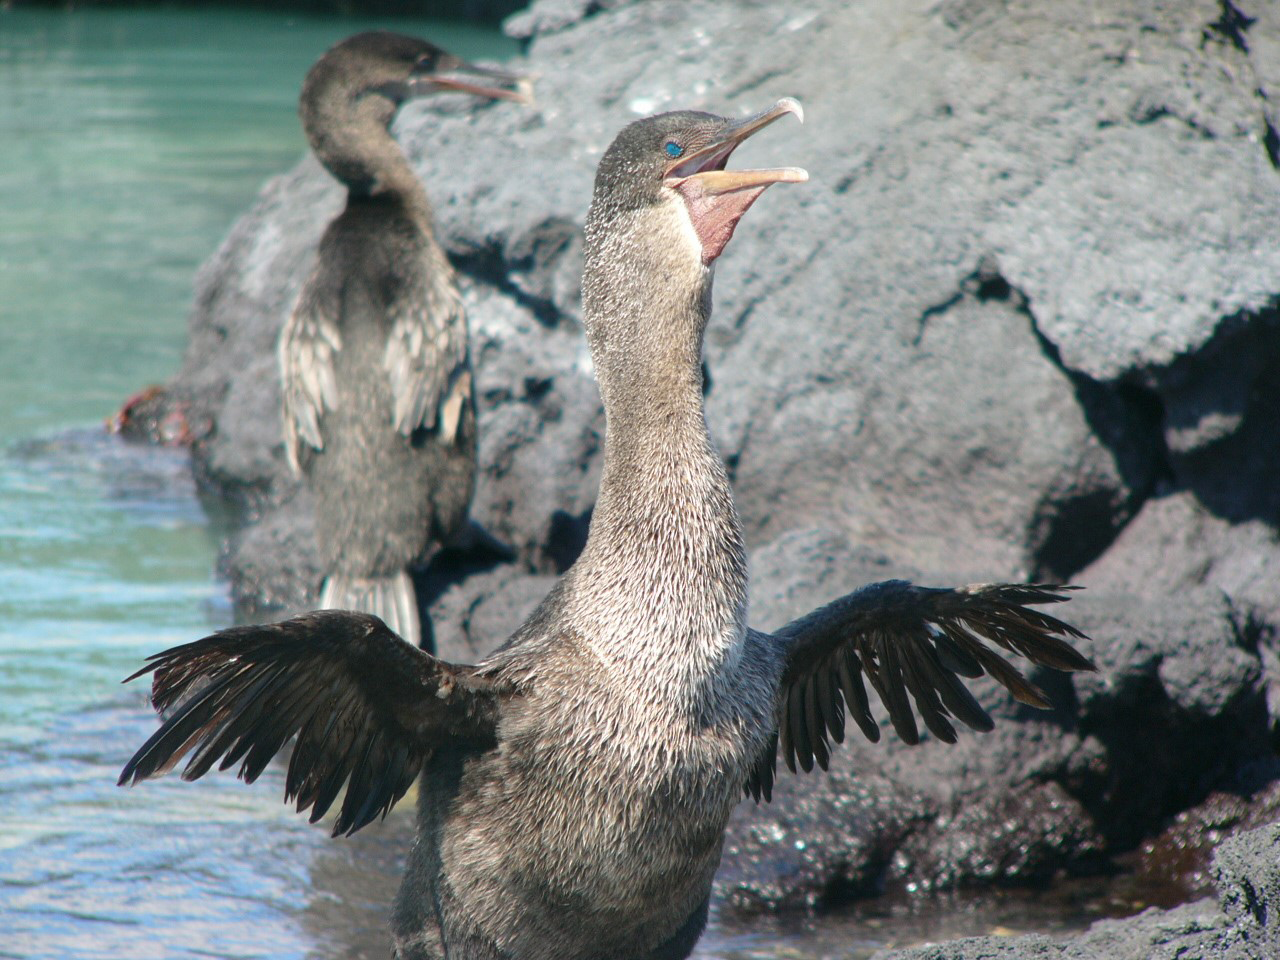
point(849, 668)
point(761, 785)
point(914, 645)
point(367, 710)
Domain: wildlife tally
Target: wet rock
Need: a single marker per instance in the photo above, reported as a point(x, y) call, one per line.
point(151, 416)
point(1021, 322)
point(1174, 866)
point(1244, 923)
point(823, 839)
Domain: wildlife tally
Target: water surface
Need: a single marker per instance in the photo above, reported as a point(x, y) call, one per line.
point(129, 142)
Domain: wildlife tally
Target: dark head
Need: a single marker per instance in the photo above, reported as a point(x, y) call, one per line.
point(663, 210)
point(352, 93)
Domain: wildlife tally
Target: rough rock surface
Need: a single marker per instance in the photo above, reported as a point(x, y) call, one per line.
point(1024, 321)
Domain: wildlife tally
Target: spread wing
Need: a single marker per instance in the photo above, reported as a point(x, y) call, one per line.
point(908, 641)
point(367, 709)
point(307, 347)
point(426, 355)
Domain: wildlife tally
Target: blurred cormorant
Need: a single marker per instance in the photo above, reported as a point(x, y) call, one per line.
point(379, 413)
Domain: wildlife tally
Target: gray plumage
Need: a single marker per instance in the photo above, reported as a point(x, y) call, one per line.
point(379, 414)
point(577, 782)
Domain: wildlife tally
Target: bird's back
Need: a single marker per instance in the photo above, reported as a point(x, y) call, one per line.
point(384, 493)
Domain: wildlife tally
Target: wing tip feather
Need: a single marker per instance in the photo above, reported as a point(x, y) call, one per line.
point(885, 631)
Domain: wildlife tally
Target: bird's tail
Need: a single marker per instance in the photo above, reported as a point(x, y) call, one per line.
point(391, 598)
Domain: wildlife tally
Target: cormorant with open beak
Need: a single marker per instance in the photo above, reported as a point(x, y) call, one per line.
point(576, 783)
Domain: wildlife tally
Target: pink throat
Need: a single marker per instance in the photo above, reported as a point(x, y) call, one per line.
point(715, 215)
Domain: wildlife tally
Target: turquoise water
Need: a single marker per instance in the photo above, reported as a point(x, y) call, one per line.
point(129, 142)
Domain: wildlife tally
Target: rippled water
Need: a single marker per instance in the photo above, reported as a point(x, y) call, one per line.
point(128, 143)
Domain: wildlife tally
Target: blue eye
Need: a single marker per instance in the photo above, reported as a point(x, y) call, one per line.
point(674, 149)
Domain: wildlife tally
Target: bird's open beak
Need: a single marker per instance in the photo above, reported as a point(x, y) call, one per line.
point(707, 165)
point(717, 198)
point(488, 82)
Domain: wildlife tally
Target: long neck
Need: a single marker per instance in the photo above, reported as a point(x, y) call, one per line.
point(665, 555)
point(351, 139)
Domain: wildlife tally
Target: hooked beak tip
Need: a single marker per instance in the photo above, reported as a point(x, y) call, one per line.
point(790, 105)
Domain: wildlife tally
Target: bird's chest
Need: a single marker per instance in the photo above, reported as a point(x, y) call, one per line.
point(597, 767)
point(608, 809)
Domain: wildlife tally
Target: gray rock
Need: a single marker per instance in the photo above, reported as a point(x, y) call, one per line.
point(974, 370)
point(1176, 544)
point(229, 387)
point(1023, 321)
point(1247, 871)
point(274, 562)
point(476, 615)
point(552, 15)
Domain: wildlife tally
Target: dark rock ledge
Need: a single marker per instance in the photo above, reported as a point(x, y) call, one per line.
point(1023, 322)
